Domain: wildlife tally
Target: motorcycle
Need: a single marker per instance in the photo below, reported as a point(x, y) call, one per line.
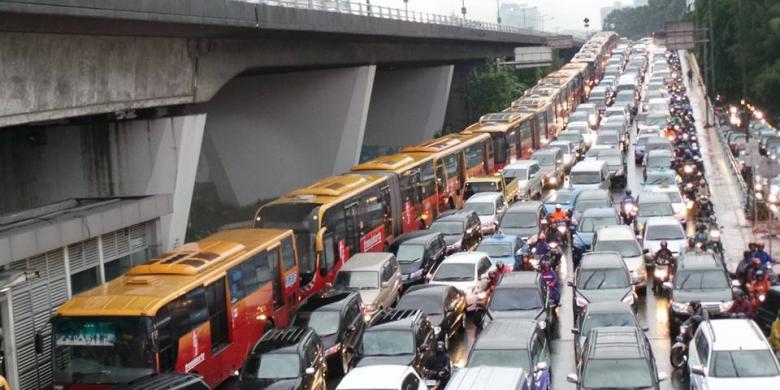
point(679, 354)
point(628, 212)
point(715, 243)
point(561, 232)
point(661, 272)
point(437, 380)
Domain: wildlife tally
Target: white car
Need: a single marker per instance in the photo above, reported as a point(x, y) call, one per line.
point(678, 203)
point(619, 112)
point(489, 206)
point(527, 174)
point(658, 106)
point(667, 229)
point(583, 128)
point(622, 239)
point(731, 354)
point(382, 377)
point(468, 272)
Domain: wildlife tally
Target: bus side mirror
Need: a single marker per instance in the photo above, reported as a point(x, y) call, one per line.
point(38, 342)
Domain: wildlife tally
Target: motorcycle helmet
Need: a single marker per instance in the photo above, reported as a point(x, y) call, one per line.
point(760, 245)
point(557, 207)
point(756, 261)
point(628, 192)
point(542, 237)
point(500, 265)
point(664, 244)
point(695, 306)
point(759, 274)
point(440, 347)
point(544, 222)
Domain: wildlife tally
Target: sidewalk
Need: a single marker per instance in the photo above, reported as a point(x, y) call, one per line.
point(737, 232)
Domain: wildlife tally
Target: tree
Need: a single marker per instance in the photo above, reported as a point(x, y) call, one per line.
point(638, 22)
point(491, 89)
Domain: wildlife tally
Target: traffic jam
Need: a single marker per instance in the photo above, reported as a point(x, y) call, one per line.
point(569, 241)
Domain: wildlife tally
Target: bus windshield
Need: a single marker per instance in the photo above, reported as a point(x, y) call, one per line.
point(102, 350)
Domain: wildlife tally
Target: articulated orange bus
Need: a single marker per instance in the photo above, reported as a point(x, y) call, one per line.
point(197, 309)
point(333, 219)
point(512, 135)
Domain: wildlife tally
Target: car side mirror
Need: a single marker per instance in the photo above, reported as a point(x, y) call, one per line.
point(572, 378)
point(697, 370)
point(662, 376)
point(309, 371)
point(575, 331)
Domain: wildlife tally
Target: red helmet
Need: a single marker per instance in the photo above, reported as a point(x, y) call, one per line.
point(760, 245)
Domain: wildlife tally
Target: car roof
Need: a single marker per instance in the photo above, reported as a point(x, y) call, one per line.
point(599, 212)
point(457, 217)
point(546, 151)
point(652, 197)
point(483, 197)
point(734, 334)
point(500, 237)
point(487, 377)
point(601, 259)
point(524, 206)
point(608, 307)
point(520, 279)
point(588, 165)
point(522, 164)
point(662, 221)
point(506, 334)
point(436, 290)
point(660, 152)
point(331, 300)
point(698, 261)
point(465, 257)
point(397, 319)
point(659, 140)
point(382, 376)
point(424, 239)
point(282, 340)
point(592, 194)
point(657, 100)
point(619, 232)
point(618, 342)
point(366, 261)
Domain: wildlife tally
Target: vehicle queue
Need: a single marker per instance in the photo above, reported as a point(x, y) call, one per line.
point(370, 274)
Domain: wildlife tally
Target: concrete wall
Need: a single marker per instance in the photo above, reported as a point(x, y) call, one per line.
point(407, 106)
point(43, 165)
point(268, 134)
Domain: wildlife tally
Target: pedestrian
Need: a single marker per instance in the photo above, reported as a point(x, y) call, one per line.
point(690, 76)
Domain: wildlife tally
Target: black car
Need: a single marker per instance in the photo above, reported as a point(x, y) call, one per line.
point(617, 358)
point(602, 277)
point(521, 294)
point(168, 381)
point(445, 307)
point(462, 231)
point(403, 337)
point(602, 315)
point(337, 318)
point(418, 253)
point(697, 277)
point(768, 310)
point(290, 358)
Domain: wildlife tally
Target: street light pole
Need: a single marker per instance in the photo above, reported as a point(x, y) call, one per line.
point(463, 8)
point(498, 11)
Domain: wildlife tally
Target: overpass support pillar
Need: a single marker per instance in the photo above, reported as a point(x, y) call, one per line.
point(407, 107)
point(268, 134)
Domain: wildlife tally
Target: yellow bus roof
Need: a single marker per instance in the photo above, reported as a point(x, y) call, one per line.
point(149, 286)
point(394, 162)
point(498, 122)
point(446, 143)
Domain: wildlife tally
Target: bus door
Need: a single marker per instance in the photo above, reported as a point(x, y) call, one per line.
point(490, 157)
point(216, 304)
point(441, 186)
point(290, 283)
point(281, 316)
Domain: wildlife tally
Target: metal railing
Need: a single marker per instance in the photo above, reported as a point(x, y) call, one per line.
point(378, 11)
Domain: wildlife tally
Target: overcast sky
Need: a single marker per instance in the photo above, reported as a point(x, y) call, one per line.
point(559, 14)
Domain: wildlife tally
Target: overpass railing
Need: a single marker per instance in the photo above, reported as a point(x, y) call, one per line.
point(378, 11)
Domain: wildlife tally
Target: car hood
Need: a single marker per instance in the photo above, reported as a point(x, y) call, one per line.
point(368, 296)
point(271, 384)
point(486, 219)
point(676, 246)
point(403, 360)
point(503, 259)
point(523, 233)
point(604, 294)
point(520, 314)
point(436, 319)
point(587, 186)
point(709, 295)
point(465, 287)
point(634, 263)
point(772, 382)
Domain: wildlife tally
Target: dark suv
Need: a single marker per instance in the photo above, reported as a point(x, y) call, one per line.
point(521, 295)
point(697, 277)
point(290, 358)
point(418, 254)
point(403, 337)
point(445, 307)
point(462, 231)
point(617, 358)
point(337, 318)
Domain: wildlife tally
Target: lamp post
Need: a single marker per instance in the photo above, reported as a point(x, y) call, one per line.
point(463, 8)
point(587, 24)
point(498, 11)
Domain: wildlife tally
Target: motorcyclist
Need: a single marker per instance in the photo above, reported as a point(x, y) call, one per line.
point(696, 318)
point(741, 304)
point(702, 235)
point(502, 268)
point(664, 252)
point(759, 285)
point(754, 267)
point(627, 198)
point(551, 280)
point(559, 214)
point(541, 248)
point(545, 227)
point(759, 252)
point(438, 364)
point(703, 189)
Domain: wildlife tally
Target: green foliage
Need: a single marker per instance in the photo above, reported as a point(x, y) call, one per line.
point(491, 89)
point(638, 22)
point(746, 35)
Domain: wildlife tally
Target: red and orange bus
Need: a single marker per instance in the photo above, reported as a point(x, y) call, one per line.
point(197, 309)
point(512, 134)
point(333, 219)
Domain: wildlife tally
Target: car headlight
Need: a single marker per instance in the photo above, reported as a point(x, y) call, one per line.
point(680, 307)
point(725, 306)
point(436, 330)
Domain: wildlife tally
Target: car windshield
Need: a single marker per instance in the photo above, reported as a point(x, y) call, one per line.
point(410, 253)
point(272, 366)
point(496, 249)
point(361, 280)
point(519, 220)
point(430, 304)
point(589, 204)
point(324, 322)
point(585, 177)
point(544, 159)
point(451, 228)
point(660, 179)
point(633, 373)
point(454, 272)
point(665, 232)
point(673, 196)
point(656, 161)
point(515, 173)
point(655, 209)
point(605, 320)
point(594, 279)
point(642, 141)
point(560, 197)
point(626, 248)
point(607, 139)
point(660, 121)
point(102, 350)
point(482, 186)
point(573, 138)
point(592, 224)
point(700, 280)
point(481, 208)
point(743, 364)
point(388, 343)
point(513, 358)
point(625, 98)
point(508, 299)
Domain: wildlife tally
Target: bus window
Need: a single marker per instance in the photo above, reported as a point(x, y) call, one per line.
point(243, 279)
point(330, 251)
point(409, 186)
point(453, 168)
point(526, 140)
point(273, 263)
point(288, 254)
point(217, 307)
point(475, 157)
point(511, 148)
point(427, 180)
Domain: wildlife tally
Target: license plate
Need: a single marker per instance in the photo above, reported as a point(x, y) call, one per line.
point(431, 382)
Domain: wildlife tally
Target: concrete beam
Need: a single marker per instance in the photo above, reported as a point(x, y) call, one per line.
point(266, 135)
point(407, 106)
